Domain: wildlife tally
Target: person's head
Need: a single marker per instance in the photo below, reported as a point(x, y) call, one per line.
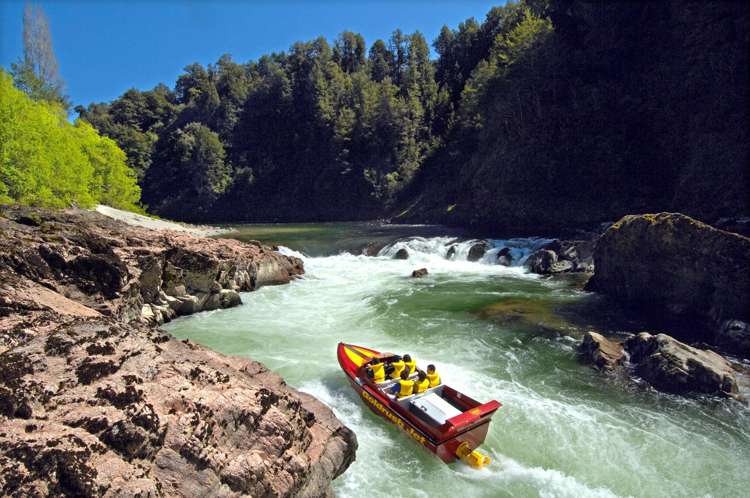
point(422, 375)
point(404, 374)
point(375, 361)
point(431, 369)
point(407, 358)
point(396, 358)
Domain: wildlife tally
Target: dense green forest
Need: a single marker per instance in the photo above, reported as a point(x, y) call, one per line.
point(549, 113)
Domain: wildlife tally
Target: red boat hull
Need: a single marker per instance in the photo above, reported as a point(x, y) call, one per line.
point(470, 427)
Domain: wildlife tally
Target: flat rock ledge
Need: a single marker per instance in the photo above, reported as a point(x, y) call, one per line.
point(97, 401)
point(664, 362)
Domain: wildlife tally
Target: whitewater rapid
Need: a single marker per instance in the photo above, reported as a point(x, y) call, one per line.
point(563, 431)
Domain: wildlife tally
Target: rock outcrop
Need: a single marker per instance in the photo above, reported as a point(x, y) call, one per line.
point(675, 263)
point(96, 401)
point(603, 353)
point(119, 270)
point(672, 366)
point(664, 362)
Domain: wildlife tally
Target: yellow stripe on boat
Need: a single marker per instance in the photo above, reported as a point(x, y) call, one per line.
point(365, 352)
point(355, 356)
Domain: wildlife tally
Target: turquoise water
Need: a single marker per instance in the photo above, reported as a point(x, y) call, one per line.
point(564, 430)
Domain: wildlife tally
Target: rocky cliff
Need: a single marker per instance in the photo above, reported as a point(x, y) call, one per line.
point(96, 401)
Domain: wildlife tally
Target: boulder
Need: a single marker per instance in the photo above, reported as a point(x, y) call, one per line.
point(578, 253)
point(451, 252)
point(422, 272)
point(504, 257)
point(734, 336)
point(401, 254)
point(541, 261)
point(477, 251)
point(229, 298)
point(601, 352)
point(672, 262)
point(672, 366)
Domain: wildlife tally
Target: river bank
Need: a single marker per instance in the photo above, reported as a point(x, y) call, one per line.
point(96, 401)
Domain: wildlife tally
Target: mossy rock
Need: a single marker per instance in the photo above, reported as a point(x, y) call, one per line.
point(526, 313)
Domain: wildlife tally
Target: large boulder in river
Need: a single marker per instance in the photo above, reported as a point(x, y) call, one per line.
point(477, 251)
point(677, 263)
point(401, 254)
point(672, 366)
point(600, 351)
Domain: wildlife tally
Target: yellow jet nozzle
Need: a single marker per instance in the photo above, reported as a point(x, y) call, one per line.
point(474, 458)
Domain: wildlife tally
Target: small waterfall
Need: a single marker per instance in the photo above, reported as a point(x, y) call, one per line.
point(454, 249)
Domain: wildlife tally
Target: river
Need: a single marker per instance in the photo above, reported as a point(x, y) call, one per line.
point(495, 333)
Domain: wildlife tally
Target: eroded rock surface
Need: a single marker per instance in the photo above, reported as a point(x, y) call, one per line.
point(96, 401)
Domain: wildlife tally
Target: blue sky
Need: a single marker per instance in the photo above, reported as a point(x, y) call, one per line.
point(106, 47)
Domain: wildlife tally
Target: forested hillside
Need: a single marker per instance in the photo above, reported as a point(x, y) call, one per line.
point(547, 114)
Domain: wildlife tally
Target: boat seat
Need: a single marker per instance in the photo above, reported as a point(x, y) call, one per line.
point(432, 408)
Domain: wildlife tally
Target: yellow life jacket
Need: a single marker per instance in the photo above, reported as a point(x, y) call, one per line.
point(421, 386)
point(398, 366)
point(378, 372)
point(411, 365)
point(407, 388)
point(434, 379)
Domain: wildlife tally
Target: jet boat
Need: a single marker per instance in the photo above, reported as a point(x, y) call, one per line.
point(445, 421)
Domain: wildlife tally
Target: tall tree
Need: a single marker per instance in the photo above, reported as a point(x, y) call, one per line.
point(349, 51)
point(38, 73)
point(381, 61)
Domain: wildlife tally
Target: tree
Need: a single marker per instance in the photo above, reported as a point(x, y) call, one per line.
point(381, 61)
point(37, 73)
point(46, 161)
point(349, 51)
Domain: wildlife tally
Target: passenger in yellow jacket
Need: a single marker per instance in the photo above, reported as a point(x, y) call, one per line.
point(410, 364)
point(378, 370)
point(433, 376)
point(422, 383)
point(398, 366)
point(404, 387)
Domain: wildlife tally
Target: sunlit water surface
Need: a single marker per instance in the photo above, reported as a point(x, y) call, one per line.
point(564, 430)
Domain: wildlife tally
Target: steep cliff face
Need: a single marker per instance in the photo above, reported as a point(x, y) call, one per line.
point(96, 401)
